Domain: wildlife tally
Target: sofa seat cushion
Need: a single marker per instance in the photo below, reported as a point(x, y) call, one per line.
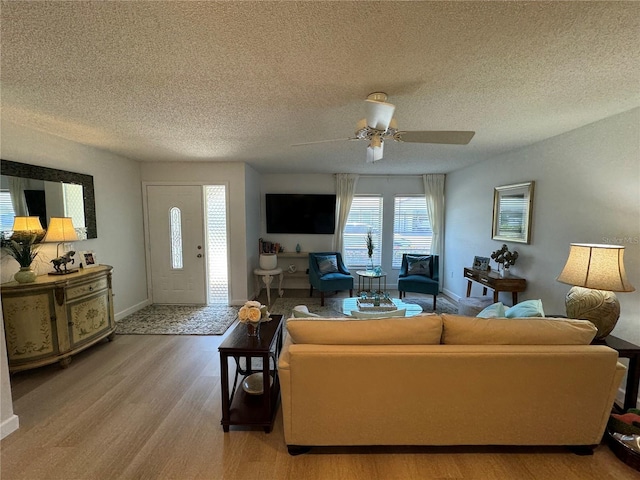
point(418, 330)
point(460, 330)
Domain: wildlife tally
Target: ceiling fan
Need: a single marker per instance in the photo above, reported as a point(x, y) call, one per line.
point(379, 125)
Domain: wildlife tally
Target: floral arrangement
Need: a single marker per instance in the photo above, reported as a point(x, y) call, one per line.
point(504, 257)
point(253, 312)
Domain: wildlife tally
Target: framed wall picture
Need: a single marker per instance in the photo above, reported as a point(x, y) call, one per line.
point(512, 212)
point(481, 263)
point(88, 259)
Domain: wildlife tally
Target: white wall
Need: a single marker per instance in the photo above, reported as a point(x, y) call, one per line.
point(8, 421)
point(215, 173)
point(120, 241)
point(587, 191)
point(388, 186)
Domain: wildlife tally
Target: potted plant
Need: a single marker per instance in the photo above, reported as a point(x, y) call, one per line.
point(24, 250)
point(369, 239)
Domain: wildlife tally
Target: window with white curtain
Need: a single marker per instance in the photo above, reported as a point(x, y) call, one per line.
point(365, 214)
point(411, 227)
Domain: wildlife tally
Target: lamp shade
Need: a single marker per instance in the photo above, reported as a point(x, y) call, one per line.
point(26, 224)
point(598, 267)
point(60, 230)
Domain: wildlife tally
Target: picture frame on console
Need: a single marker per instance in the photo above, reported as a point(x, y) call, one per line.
point(512, 212)
point(88, 259)
point(481, 263)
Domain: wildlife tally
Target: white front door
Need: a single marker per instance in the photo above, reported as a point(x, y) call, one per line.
point(176, 244)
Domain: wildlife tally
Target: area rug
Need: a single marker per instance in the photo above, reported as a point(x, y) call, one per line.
point(178, 320)
point(333, 306)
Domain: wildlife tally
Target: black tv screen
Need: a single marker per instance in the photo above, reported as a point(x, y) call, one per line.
point(301, 213)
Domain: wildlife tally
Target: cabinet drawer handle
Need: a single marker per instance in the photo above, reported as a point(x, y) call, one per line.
point(91, 289)
point(71, 324)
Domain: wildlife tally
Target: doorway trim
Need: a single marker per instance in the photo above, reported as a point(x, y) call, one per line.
point(147, 239)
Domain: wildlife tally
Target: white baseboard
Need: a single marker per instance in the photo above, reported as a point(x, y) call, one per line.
point(450, 294)
point(130, 310)
point(9, 426)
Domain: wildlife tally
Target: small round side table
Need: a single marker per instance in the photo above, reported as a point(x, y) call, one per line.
point(371, 275)
point(267, 278)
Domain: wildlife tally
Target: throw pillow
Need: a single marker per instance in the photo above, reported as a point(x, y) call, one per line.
point(301, 311)
point(495, 310)
point(528, 308)
point(419, 265)
point(327, 264)
point(392, 313)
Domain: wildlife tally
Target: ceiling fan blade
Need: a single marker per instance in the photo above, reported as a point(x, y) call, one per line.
point(324, 141)
point(445, 137)
point(379, 114)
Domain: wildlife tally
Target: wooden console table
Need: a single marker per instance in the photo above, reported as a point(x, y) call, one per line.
point(493, 280)
point(57, 316)
point(632, 352)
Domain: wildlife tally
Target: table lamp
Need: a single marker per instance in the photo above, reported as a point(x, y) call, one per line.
point(595, 271)
point(24, 228)
point(60, 231)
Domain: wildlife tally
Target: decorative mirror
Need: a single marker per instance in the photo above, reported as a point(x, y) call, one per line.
point(512, 206)
point(49, 192)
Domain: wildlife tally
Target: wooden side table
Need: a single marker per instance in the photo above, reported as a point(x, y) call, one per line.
point(493, 280)
point(632, 352)
point(238, 406)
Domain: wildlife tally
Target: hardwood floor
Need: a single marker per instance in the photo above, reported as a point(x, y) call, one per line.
point(148, 407)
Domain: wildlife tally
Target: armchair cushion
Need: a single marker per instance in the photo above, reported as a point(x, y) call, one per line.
point(327, 264)
point(419, 265)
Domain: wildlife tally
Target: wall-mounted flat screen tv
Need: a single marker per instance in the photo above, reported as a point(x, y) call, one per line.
point(301, 213)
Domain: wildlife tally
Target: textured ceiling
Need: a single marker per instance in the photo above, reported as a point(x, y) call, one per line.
point(242, 81)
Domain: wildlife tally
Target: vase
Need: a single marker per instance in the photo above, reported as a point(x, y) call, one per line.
point(370, 267)
point(268, 261)
point(297, 248)
point(25, 275)
point(504, 272)
point(253, 329)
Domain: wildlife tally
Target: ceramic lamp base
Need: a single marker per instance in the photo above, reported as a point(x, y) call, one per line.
point(600, 307)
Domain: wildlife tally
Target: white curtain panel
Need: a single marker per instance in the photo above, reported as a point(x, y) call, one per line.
point(16, 192)
point(345, 190)
point(434, 194)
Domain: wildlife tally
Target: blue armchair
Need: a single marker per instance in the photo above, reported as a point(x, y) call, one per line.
point(419, 276)
point(328, 273)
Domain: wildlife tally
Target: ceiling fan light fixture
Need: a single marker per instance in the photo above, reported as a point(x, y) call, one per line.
point(375, 149)
point(379, 114)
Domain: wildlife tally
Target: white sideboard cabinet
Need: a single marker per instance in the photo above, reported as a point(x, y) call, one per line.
point(57, 316)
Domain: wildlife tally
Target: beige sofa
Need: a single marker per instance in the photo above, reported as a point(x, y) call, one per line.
point(445, 380)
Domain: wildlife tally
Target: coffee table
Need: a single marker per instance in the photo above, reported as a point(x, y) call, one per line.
point(350, 304)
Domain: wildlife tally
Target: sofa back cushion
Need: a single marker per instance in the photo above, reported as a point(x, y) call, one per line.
point(418, 330)
point(459, 330)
